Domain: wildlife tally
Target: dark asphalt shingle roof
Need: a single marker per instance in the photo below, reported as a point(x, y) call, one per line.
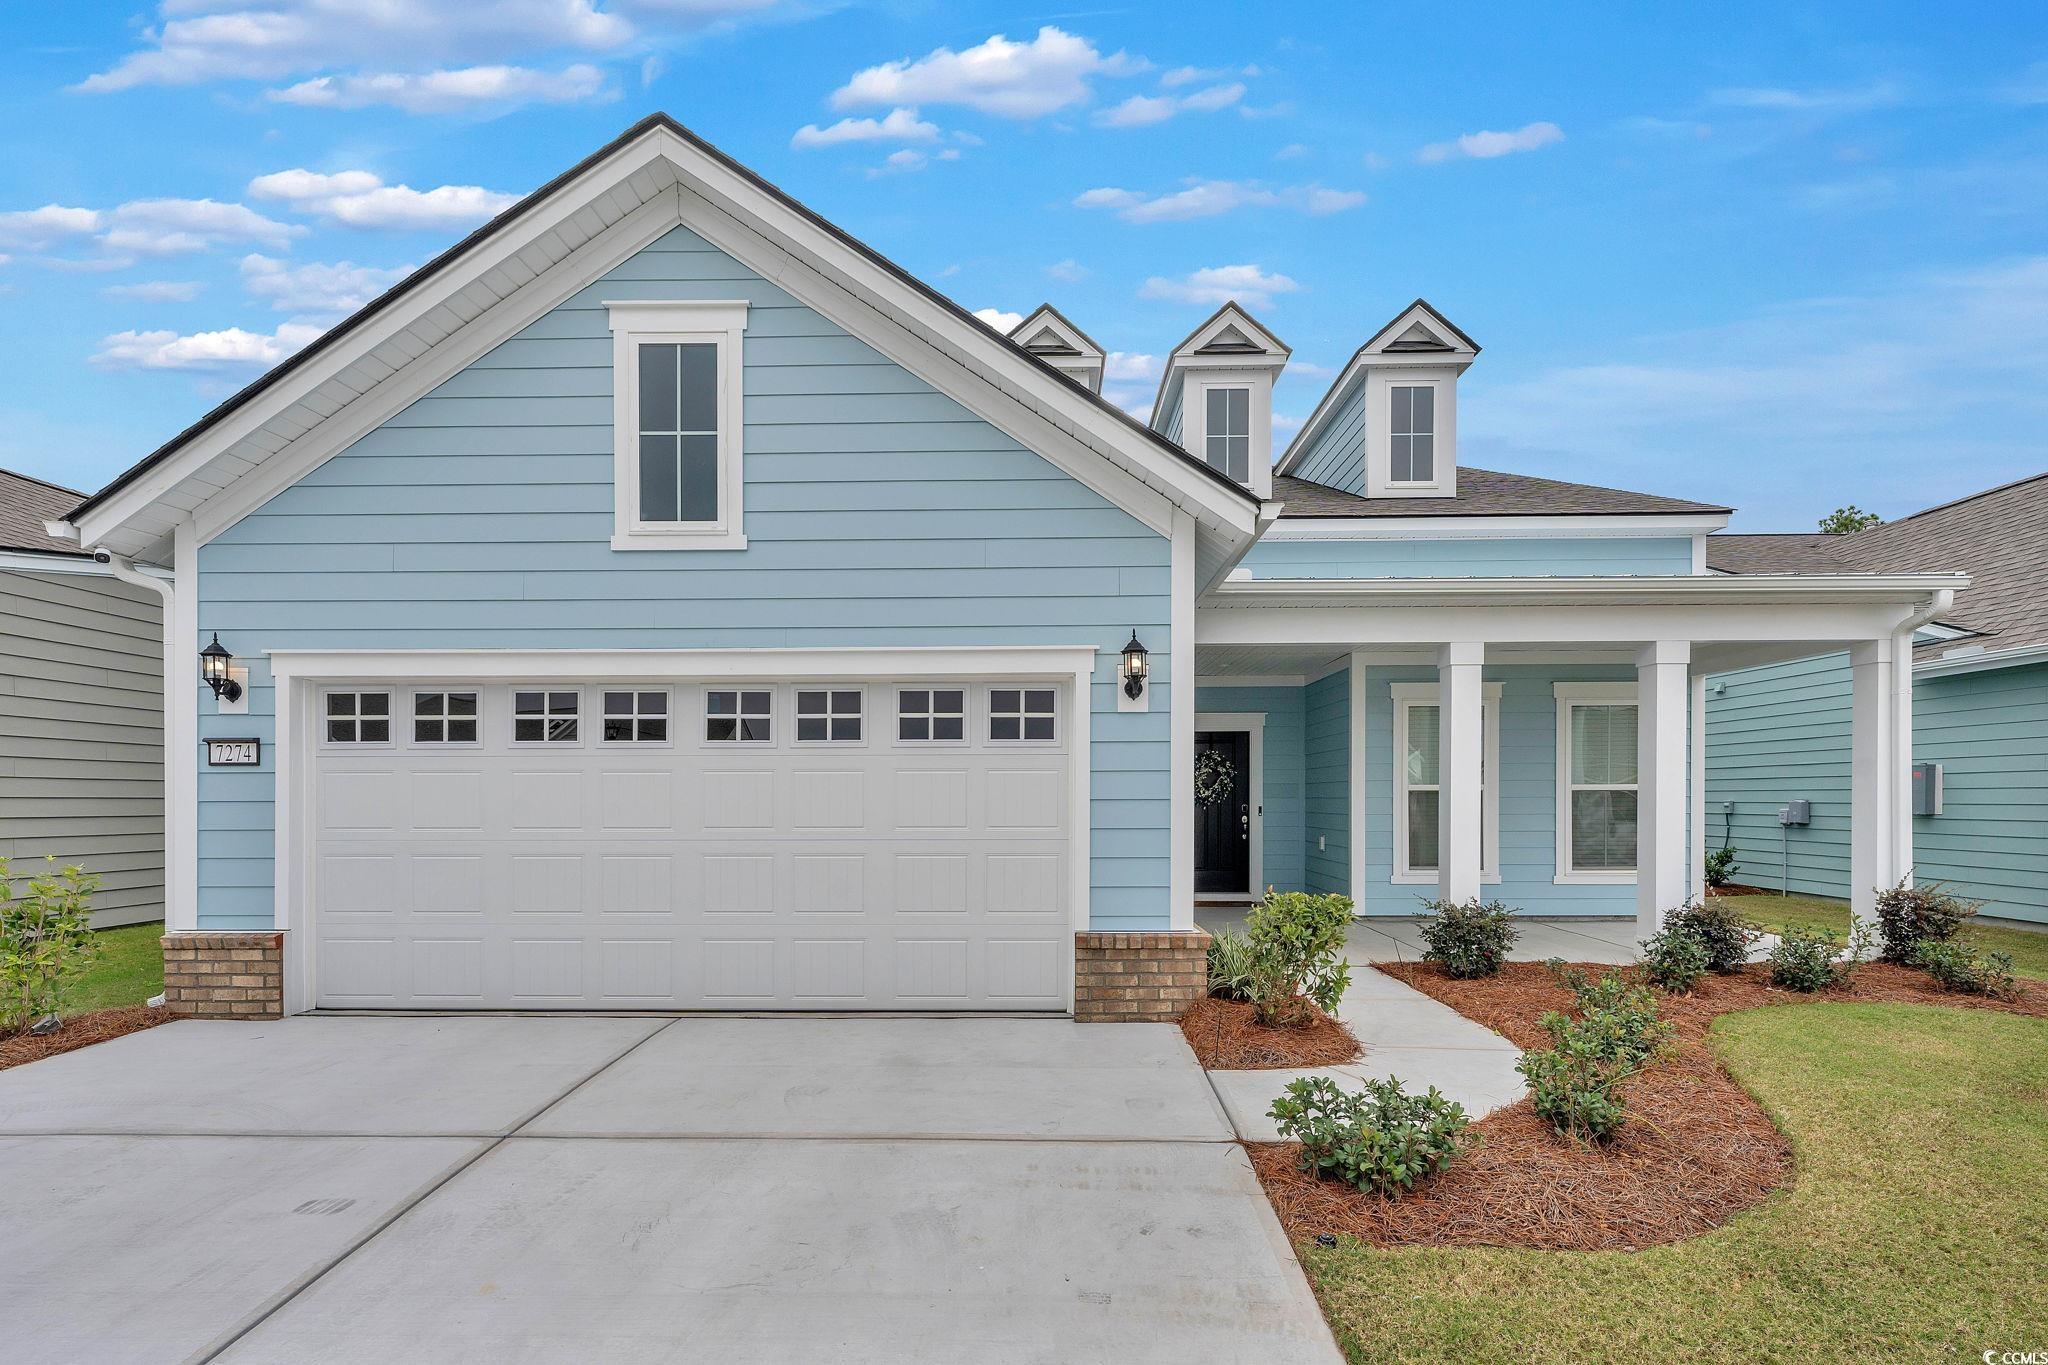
point(1483, 493)
point(1999, 537)
point(25, 504)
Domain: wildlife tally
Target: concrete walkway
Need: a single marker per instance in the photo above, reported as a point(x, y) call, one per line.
point(503, 1188)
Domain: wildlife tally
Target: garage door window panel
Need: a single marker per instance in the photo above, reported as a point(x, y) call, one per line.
point(546, 717)
point(829, 715)
point(739, 717)
point(358, 718)
point(636, 717)
point(1023, 715)
point(934, 715)
point(444, 718)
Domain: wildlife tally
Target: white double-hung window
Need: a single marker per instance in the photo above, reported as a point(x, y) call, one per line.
point(1418, 782)
point(1596, 782)
point(677, 443)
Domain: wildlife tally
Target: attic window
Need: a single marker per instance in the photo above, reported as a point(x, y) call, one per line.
point(676, 382)
point(1227, 432)
point(1414, 434)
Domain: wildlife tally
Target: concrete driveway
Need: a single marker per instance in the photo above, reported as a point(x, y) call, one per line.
point(636, 1189)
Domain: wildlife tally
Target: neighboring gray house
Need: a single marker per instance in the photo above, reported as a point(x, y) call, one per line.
point(81, 709)
point(1980, 710)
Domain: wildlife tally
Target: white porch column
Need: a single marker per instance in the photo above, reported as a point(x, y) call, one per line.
point(1461, 748)
point(1662, 691)
point(1696, 881)
point(1902, 758)
point(1873, 776)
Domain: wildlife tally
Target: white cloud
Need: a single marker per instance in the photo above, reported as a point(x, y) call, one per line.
point(231, 348)
point(1188, 75)
point(1004, 322)
point(1483, 145)
point(911, 159)
point(1129, 367)
point(1219, 284)
point(1140, 110)
point(899, 125)
point(317, 287)
point(1858, 388)
point(156, 291)
point(361, 199)
point(1209, 198)
point(195, 41)
point(142, 227)
point(1009, 79)
point(1872, 96)
point(1293, 151)
point(1069, 271)
point(445, 92)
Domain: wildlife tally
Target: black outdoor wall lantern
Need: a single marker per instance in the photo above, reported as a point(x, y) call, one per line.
point(1134, 668)
point(213, 667)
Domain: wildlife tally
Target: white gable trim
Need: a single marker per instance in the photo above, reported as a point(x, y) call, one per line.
point(1675, 526)
point(954, 353)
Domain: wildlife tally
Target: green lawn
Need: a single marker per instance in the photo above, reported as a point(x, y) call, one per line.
point(2029, 950)
point(130, 969)
point(1917, 1228)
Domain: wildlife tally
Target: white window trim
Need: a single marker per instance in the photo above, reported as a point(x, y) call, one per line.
point(988, 716)
point(1430, 694)
point(864, 714)
point(722, 323)
point(968, 717)
point(391, 731)
point(547, 713)
point(604, 713)
point(412, 716)
point(739, 692)
point(1568, 696)
point(1379, 432)
point(1194, 420)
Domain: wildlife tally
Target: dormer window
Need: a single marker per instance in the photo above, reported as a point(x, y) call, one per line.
point(1414, 434)
point(676, 384)
point(1228, 431)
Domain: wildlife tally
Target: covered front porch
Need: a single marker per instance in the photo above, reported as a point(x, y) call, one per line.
point(1533, 741)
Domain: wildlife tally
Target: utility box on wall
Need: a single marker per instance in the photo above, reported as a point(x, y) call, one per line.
point(1926, 789)
point(1796, 813)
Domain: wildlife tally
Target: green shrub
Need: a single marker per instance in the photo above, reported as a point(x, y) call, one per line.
point(1232, 963)
point(1911, 916)
point(1380, 1140)
point(1576, 1082)
point(46, 940)
point(1959, 967)
point(1675, 958)
point(1724, 930)
point(1297, 955)
point(1721, 865)
point(1470, 938)
point(1804, 960)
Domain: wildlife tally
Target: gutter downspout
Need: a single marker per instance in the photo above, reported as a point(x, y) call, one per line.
point(123, 568)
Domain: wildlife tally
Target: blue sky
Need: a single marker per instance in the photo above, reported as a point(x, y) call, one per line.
point(1777, 256)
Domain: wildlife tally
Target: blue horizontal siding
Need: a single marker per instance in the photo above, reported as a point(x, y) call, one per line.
point(1326, 851)
point(1336, 458)
point(1783, 732)
point(1529, 557)
point(878, 512)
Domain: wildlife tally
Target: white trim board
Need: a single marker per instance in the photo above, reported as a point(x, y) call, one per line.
point(1495, 528)
point(1253, 725)
point(1568, 695)
point(300, 676)
point(1410, 694)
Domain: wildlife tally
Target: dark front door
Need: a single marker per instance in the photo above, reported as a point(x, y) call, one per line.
point(1223, 829)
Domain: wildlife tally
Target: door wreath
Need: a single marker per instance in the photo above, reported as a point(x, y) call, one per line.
point(1215, 778)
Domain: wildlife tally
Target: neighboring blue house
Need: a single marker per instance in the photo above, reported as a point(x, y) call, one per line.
point(1780, 733)
point(662, 601)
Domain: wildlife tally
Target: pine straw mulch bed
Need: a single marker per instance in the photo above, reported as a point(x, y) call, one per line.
point(81, 1030)
point(1696, 1151)
point(1226, 1037)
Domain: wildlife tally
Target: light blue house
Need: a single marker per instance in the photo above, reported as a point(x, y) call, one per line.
point(662, 601)
point(1779, 734)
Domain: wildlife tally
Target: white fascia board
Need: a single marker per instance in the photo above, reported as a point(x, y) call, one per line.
point(30, 561)
point(1981, 661)
point(935, 661)
point(1675, 526)
point(1675, 589)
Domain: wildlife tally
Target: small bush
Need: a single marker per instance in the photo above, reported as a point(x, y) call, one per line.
point(1232, 963)
point(46, 940)
point(1297, 955)
point(1959, 967)
point(1721, 865)
point(1576, 1083)
point(1724, 930)
point(1575, 1094)
point(1911, 916)
point(1675, 958)
point(1804, 960)
point(1614, 1015)
point(1470, 938)
point(1380, 1140)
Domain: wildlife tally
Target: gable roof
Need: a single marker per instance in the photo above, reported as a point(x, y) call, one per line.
point(25, 504)
point(579, 216)
point(1228, 337)
point(1413, 337)
point(1073, 341)
point(1999, 537)
point(1485, 493)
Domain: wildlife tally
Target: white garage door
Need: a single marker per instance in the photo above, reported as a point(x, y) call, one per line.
point(832, 845)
